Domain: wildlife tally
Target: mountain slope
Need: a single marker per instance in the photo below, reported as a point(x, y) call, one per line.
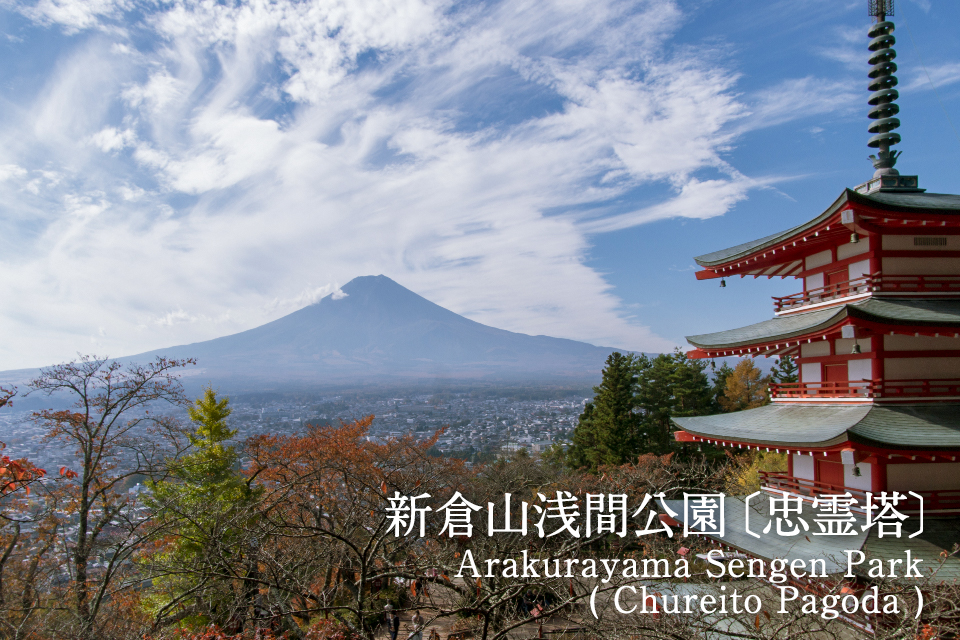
point(380, 330)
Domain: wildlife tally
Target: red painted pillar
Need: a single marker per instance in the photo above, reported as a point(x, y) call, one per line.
point(878, 479)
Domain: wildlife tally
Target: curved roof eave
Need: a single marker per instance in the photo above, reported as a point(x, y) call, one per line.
point(935, 203)
point(913, 427)
point(747, 248)
point(910, 312)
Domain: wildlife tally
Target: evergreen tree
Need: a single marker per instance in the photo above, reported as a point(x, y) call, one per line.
point(669, 385)
point(608, 427)
point(203, 504)
point(785, 370)
point(720, 383)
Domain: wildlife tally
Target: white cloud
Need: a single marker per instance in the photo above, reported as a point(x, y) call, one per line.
point(934, 77)
point(8, 171)
point(110, 139)
point(275, 145)
point(74, 15)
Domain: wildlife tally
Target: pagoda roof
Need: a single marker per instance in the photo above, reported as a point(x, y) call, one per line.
point(909, 312)
point(939, 535)
point(910, 427)
point(771, 545)
point(933, 203)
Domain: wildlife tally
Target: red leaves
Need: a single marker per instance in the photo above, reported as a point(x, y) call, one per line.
point(67, 473)
point(17, 474)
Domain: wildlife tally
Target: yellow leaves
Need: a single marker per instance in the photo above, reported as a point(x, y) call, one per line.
point(746, 388)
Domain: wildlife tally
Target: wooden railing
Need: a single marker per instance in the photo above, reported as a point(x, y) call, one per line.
point(867, 389)
point(844, 389)
point(944, 501)
point(809, 488)
point(919, 388)
point(876, 282)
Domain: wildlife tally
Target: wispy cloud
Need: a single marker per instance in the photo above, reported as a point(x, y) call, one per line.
point(933, 77)
point(211, 166)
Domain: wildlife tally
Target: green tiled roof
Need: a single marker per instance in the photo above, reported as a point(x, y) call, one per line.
point(939, 534)
point(785, 425)
point(899, 311)
point(939, 203)
point(771, 545)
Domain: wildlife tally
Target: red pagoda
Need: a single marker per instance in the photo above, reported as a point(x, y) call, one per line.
point(876, 334)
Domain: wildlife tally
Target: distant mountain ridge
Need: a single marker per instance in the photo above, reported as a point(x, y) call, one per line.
point(381, 331)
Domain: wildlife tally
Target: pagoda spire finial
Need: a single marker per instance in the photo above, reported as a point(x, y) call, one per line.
point(883, 105)
point(882, 82)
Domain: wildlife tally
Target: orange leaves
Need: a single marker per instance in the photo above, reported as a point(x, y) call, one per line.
point(67, 473)
point(17, 474)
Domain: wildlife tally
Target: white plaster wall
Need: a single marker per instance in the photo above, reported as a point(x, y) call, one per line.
point(919, 343)
point(818, 259)
point(923, 476)
point(803, 467)
point(815, 281)
point(845, 345)
point(931, 266)
point(810, 372)
point(814, 349)
point(921, 368)
point(905, 243)
point(862, 481)
point(859, 269)
point(859, 369)
point(845, 251)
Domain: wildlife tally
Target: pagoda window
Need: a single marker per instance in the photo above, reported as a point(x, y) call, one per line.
point(921, 243)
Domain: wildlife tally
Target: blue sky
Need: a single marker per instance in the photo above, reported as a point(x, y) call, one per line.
point(175, 171)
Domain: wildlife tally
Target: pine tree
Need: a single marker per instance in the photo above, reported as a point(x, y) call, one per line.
point(203, 504)
point(606, 433)
point(720, 383)
point(669, 385)
point(785, 370)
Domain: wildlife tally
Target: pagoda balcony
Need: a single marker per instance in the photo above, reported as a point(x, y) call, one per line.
point(866, 389)
point(934, 502)
point(875, 283)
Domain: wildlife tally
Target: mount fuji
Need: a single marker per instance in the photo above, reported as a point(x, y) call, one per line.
point(374, 330)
